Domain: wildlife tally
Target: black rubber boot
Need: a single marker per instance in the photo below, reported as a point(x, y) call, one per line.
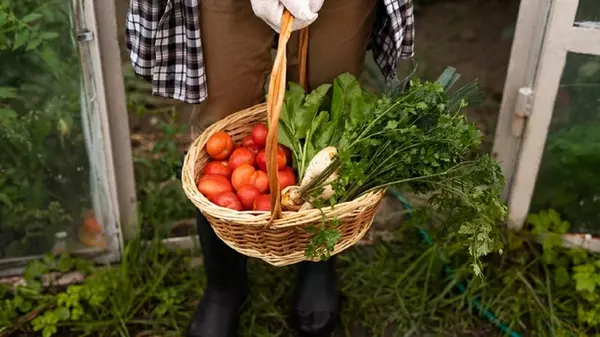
point(316, 306)
point(218, 313)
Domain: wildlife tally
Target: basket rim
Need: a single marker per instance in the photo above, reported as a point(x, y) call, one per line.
point(257, 218)
point(295, 256)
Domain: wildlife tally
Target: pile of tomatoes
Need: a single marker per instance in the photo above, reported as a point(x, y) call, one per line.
point(237, 176)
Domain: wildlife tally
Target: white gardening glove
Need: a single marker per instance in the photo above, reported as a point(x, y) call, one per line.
point(271, 11)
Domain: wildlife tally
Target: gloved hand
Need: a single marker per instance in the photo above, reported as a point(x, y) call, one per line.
point(271, 11)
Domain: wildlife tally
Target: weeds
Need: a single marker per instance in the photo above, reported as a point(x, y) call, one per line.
point(149, 290)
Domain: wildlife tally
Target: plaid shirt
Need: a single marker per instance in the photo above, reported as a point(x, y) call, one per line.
point(163, 39)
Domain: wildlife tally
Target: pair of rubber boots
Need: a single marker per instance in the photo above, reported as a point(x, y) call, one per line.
point(315, 310)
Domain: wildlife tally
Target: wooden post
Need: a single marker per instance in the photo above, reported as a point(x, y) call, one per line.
point(524, 56)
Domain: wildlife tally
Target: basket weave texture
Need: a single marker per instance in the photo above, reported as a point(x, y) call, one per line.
point(279, 238)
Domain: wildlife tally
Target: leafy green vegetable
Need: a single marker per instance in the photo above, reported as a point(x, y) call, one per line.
point(346, 92)
point(298, 122)
point(310, 122)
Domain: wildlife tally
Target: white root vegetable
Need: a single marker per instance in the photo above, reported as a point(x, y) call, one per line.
point(306, 206)
point(290, 196)
point(318, 164)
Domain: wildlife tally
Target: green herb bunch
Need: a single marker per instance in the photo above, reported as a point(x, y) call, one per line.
point(416, 139)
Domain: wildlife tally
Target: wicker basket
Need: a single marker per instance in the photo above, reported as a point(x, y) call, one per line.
point(279, 238)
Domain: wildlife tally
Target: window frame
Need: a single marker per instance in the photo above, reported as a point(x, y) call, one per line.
point(562, 36)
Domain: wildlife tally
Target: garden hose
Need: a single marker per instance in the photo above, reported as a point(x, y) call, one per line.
point(483, 311)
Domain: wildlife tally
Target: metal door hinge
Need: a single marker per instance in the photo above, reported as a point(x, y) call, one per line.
point(522, 111)
point(84, 36)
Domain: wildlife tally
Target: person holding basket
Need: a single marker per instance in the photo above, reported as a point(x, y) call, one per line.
point(218, 53)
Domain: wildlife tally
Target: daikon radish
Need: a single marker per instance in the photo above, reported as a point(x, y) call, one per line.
point(290, 197)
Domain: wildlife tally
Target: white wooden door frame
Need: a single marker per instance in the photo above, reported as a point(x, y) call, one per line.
point(562, 37)
point(526, 47)
point(95, 110)
point(106, 85)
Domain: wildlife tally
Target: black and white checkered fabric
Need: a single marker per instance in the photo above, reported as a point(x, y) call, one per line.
point(163, 39)
point(395, 36)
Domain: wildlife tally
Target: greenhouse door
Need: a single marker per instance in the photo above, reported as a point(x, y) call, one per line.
point(60, 187)
point(548, 136)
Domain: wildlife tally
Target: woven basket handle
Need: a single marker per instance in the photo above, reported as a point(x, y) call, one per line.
point(275, 97)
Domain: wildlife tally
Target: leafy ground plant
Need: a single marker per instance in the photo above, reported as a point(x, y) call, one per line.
point(543, 288)
point(111, 301)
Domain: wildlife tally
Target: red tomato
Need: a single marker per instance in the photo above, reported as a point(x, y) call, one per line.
point(247, 141)
point(229, 200)
point(255, 149)
point(286, 178)
point(259, 135)
point(90, 223)
point(260, 180)
point(281, 159)
point(249, 144)
point(212, 185)
point(219, 146)
point(262, 203)
point(247, 194)
point(261, 160)
point(241, 176)
point(241, 156)
point(288, 169)
point(220, 168)
point(288, 153)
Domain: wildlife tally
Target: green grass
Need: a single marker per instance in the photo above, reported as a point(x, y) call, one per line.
point(154, 290)
point(398, 288)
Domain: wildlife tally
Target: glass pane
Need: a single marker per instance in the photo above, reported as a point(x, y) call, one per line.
point(588, 13)
point(569, 176)
point(44, 170)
